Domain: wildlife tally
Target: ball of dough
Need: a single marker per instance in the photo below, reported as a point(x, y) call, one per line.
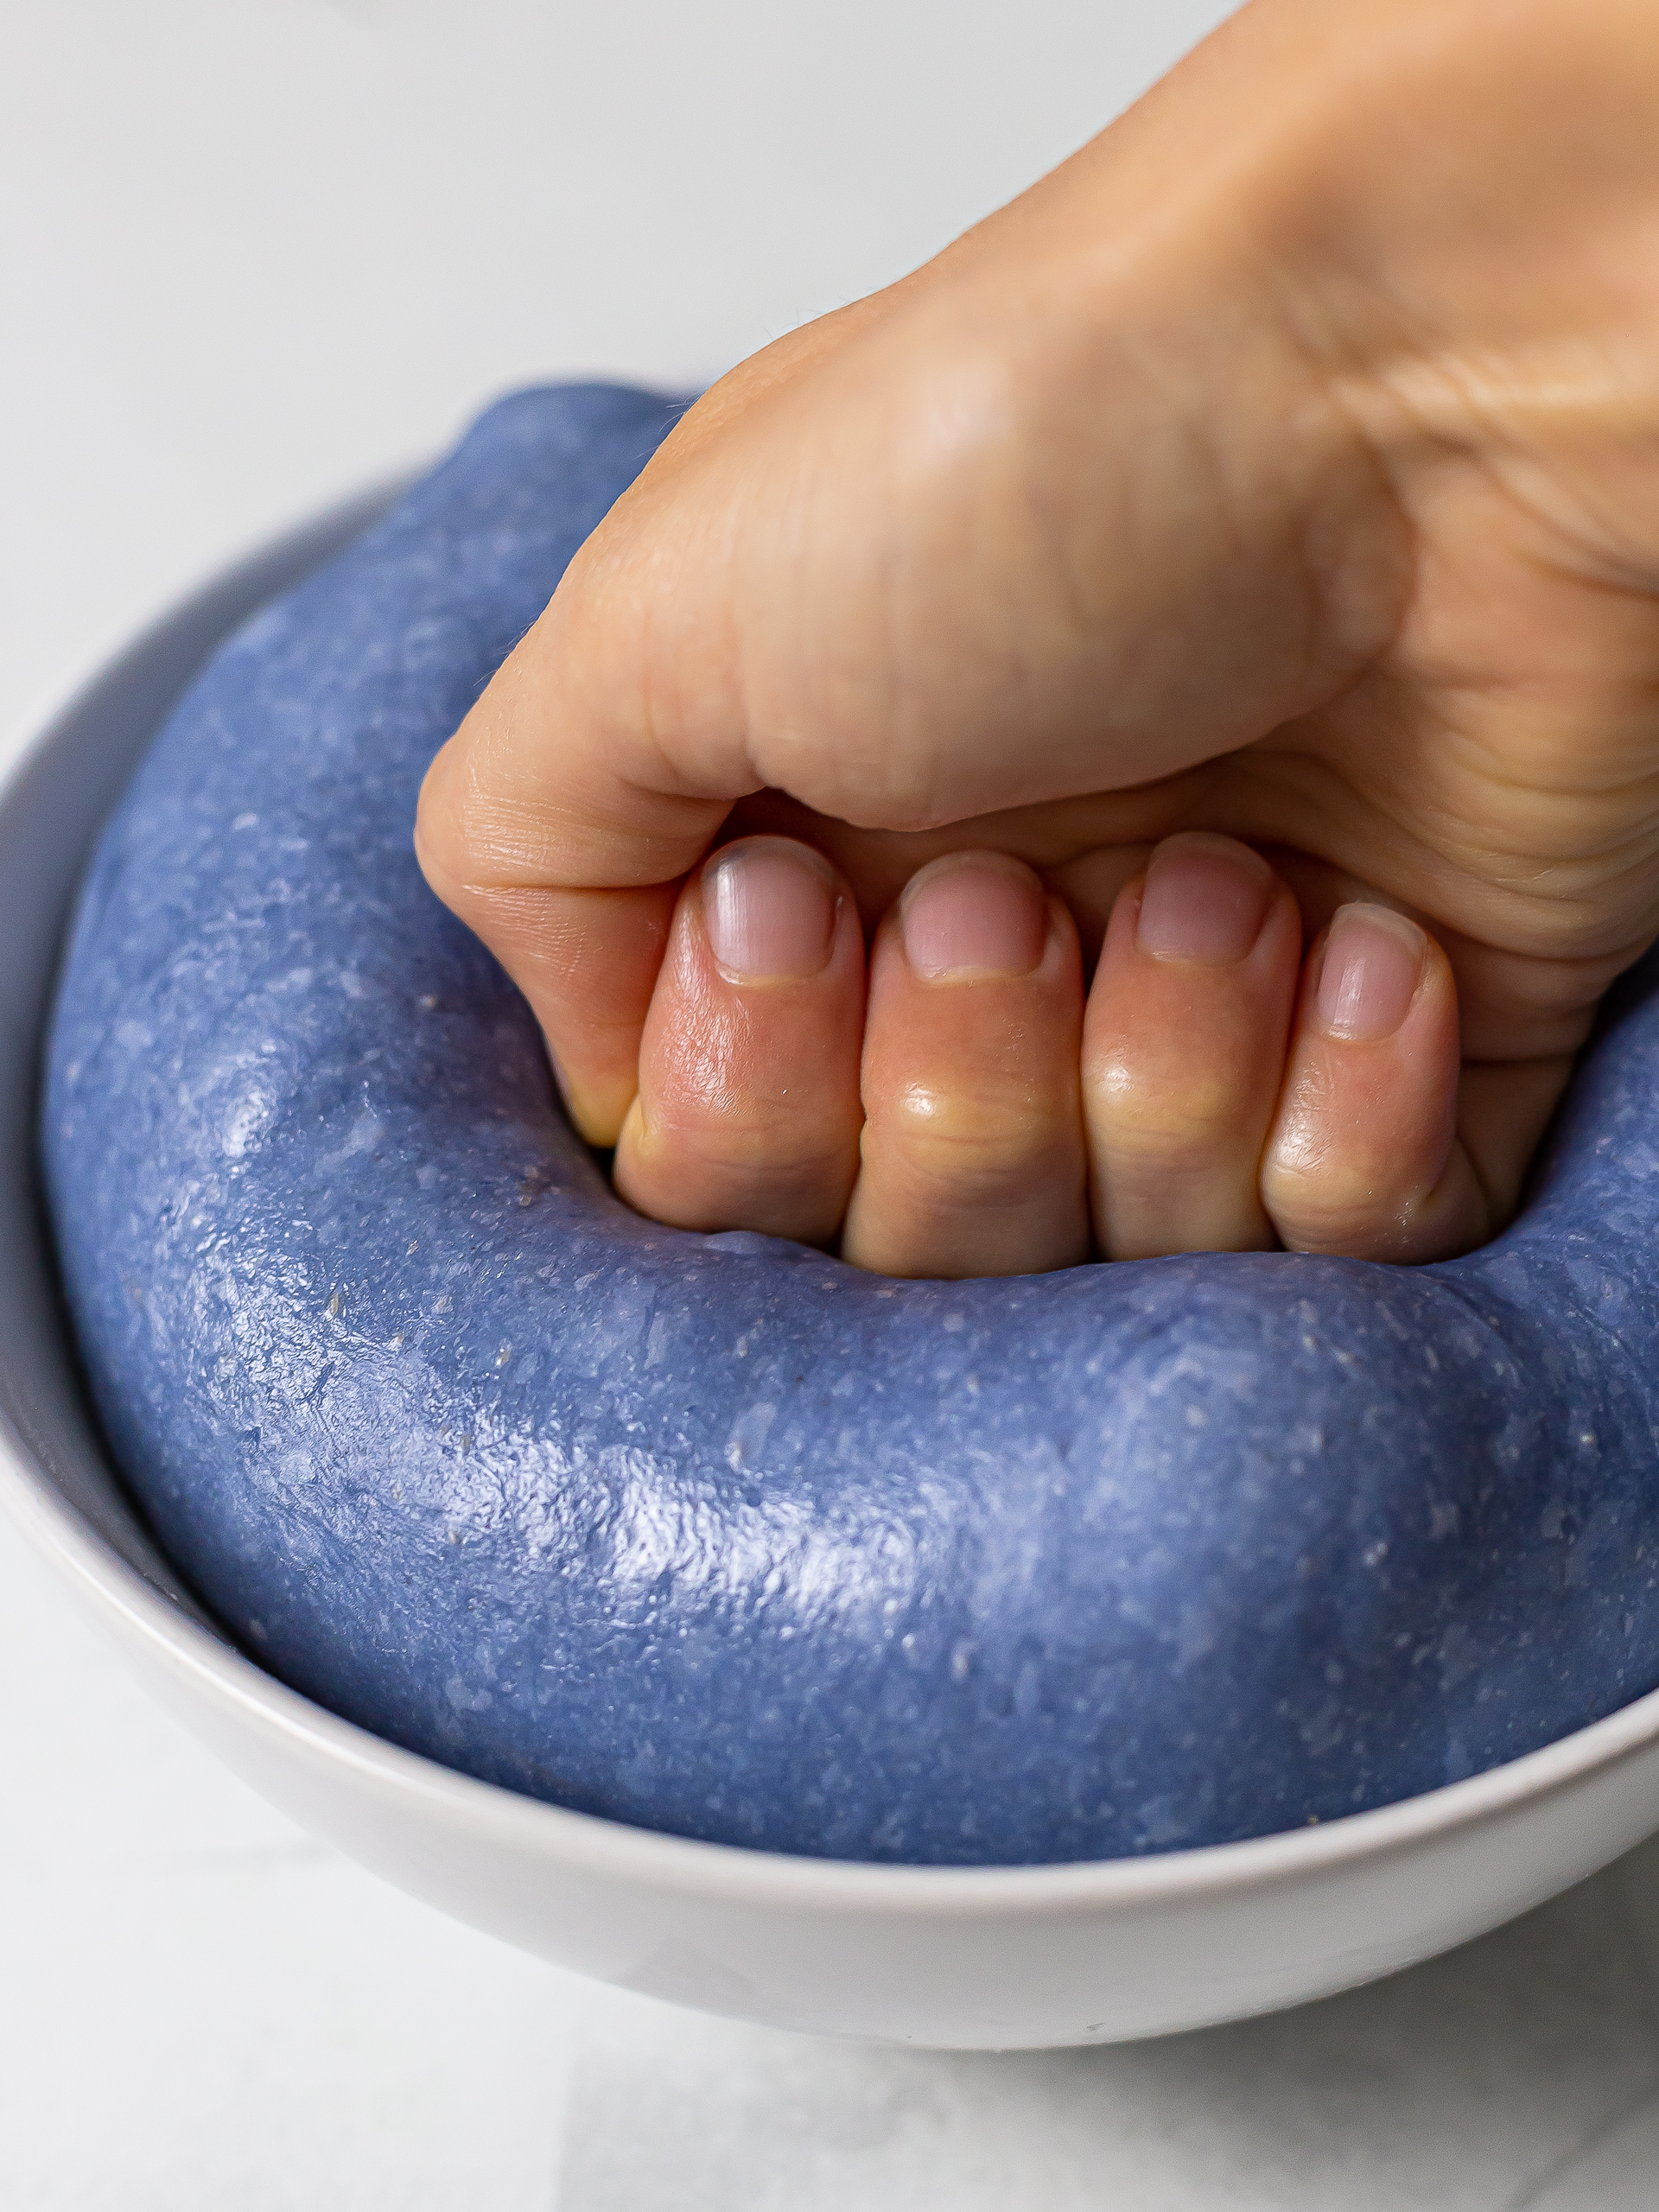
point(713, 1534)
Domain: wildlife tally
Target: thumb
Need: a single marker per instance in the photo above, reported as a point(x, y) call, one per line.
point(1064, 513)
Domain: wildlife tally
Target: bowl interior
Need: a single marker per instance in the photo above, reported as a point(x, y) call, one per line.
point(59, 1464)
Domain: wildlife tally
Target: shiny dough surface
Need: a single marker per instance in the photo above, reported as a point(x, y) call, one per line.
point(714, 1535)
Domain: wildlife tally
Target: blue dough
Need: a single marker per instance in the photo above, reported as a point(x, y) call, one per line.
point(713, 1534)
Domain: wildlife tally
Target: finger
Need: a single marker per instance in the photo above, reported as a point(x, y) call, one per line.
point(1363, 1159)
point(1184, 1048)
point(1521, 1021)
point(748, 1111)
point(972, 1151)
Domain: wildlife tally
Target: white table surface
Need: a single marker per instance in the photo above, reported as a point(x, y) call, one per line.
point(254, 250)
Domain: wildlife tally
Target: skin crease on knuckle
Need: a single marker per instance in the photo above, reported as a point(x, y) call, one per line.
point(1325, 1193)
point(969, 1155)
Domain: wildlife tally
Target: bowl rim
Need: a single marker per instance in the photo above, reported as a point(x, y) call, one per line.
point(717, 1873)
point(734, 1874)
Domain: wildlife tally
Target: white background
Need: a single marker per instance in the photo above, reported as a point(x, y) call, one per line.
point(252, 251)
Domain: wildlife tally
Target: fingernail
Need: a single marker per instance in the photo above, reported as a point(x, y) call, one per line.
point(1205, 899)
point(769, 907)
point(1373, 965)
point(974, 914)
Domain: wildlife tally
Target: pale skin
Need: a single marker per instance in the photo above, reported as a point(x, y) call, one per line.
point(1143, 737)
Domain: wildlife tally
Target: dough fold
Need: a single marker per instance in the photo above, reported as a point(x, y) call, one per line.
point(714, 1534)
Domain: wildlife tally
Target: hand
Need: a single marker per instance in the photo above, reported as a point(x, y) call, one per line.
point(1286, 466)
point(967, 1115)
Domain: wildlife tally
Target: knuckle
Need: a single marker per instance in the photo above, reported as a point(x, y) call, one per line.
point(1163, 1123)
point(964, 1143)
point(1350, 1207)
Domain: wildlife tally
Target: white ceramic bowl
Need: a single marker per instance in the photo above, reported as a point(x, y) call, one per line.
point(966, 1957)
